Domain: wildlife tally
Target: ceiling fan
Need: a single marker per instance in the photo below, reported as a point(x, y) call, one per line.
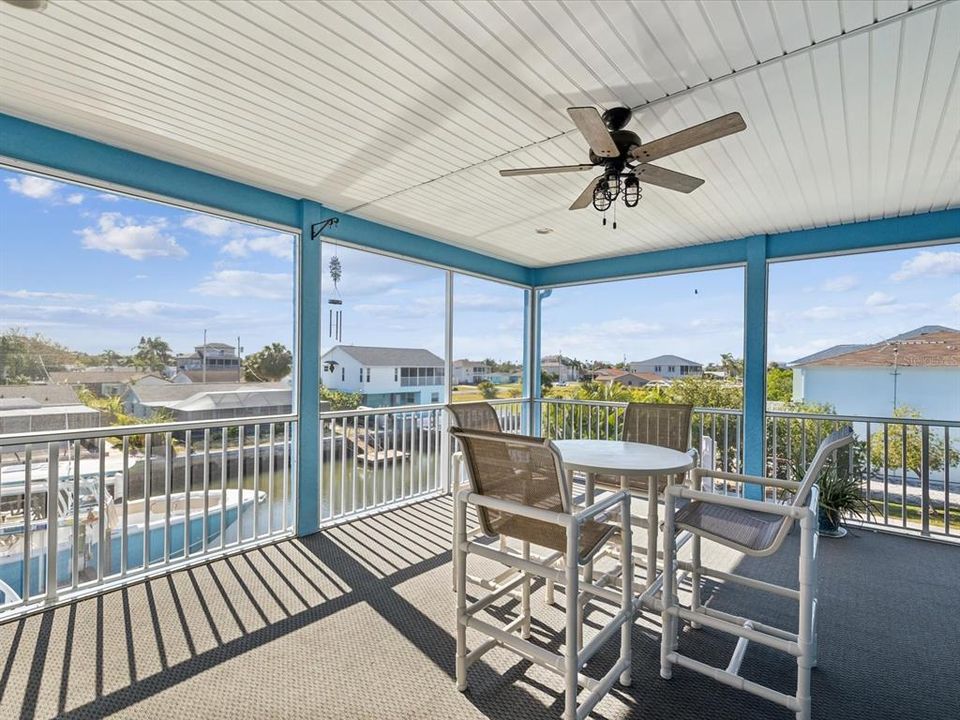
point(626, 161)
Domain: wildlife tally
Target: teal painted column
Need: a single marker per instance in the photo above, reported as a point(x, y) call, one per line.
point(308, 451)
point(755, 361)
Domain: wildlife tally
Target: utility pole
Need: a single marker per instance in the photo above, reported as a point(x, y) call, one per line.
point(896, 374)
point(203, 356)
point(239, 361)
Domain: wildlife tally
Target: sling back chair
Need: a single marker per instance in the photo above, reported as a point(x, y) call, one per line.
point(480, 416)
point(758, 529)
point(663, 424)
point(518, 486)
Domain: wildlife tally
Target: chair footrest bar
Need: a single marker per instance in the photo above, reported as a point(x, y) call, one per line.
point(737, 629)
point(735, 681)
point(529, 566)
point(733, 667)
point(488, 645)
point(488, 600)
point(741, 580)
point(768, 629)
point(522, 647)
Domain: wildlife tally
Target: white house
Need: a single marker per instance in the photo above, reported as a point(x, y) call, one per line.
point(385, 377)
point(470, 372)
point(667, 366)
point(919, 369)
point(561, 367)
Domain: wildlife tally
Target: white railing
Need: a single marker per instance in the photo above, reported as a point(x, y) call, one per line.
point(378, 459)
point(717, 433)
point(132, 501)
point(909, 468)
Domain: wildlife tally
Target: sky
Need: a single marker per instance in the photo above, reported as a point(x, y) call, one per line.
point(96, 270)
point(105, 269)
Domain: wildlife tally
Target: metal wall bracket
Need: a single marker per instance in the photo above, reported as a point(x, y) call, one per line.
point(317, 229)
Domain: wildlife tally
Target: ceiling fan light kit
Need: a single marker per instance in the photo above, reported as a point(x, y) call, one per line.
point(625, 159)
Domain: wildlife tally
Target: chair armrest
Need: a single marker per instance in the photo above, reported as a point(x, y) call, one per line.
point(606, 501)
point(472, 498)
point(738, 477)
point(676, 491)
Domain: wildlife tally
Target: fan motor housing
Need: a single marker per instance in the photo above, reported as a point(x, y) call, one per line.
point(624, 140)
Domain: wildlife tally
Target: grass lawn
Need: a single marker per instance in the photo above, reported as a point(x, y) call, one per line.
point(470, 393)
point(914, 516)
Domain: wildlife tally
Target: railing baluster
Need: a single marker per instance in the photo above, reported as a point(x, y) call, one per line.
point(256, 480)
point(947, 455)
point(903, 475)
point(167, 483)
point(925, 480)
point(272, 439)
point(75, 560)
point(103, 537)
point(187, 495)
point(53, 525)
point(205, 522)
point(224, 463)
point(147, 490)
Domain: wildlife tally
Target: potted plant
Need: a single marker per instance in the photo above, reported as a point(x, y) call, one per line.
point(840, 496)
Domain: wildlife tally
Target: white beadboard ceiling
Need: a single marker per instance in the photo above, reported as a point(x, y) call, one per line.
point(403, 112)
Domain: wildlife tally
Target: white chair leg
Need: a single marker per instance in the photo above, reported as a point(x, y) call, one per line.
point(695, 579)
point(460, 513)
point(525, 597)
point(588, 568)
point(667, 620)
point(805, 633)
point(572, 616)
point(626, 591)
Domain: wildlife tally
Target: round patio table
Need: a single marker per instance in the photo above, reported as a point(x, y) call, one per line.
point(626, 460)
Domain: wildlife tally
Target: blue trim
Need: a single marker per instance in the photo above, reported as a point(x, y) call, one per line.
point(58, 150)
point(851, 237)
point(867, 235)
point(695, 257)
point(308, 372)
point(755, 361)
point(399, 242)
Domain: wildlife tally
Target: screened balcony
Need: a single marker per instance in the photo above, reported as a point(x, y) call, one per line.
point(299, 563)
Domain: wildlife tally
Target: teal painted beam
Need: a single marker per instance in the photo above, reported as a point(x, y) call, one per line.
point(307, 448)
point(755, 361)
point(24, 141)
point(924, 228)
point(40, 145)
point(697, 257)
point(867, 235)
point(399, 242)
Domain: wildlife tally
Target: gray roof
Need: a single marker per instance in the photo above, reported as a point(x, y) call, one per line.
point(836, 350)
point(389, 357)
point(43, 394)
point(175, 392)
point(665, 360)
point(97, 376)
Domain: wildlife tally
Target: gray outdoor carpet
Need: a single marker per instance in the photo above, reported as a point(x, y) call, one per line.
point(356, 622)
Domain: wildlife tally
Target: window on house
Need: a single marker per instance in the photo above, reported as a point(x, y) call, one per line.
point(396, 374)
point(361, 374)
point(343, 374)
point(368, 374)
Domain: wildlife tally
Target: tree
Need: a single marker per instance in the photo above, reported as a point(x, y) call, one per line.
point(779, 384)
point(111, 358)
point(152, 353)
point(487, 389)
point(339, 400)
point(30, 357)
point(732, 366)
point(273, 362)
point(910, 438)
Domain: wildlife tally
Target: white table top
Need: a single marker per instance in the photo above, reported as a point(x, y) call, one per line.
point(622, 458)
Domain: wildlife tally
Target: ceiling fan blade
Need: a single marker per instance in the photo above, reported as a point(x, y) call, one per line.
point(592, 127)
point(545, 170)
point(586, 197)
point(656, 175)
point(691, 137)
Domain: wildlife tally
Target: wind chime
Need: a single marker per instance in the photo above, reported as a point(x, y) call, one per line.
point(335, 324)
point(335, 311)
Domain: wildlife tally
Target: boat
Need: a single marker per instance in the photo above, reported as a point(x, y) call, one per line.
point(78, 517)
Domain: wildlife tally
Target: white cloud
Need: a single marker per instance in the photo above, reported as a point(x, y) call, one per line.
point(822, 312)
point(929, 264)
point(841, 283)
point(156, 309)
point(109, 197)
point(209, 225)
point(954, 303)
point(879, 299)
point(280, 246)
point(123, 235)
point(37, 294)
point(247, 283)
point(75, 198)
point(34, 187)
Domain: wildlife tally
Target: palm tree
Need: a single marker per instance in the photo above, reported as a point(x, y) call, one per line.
point(273, 362)
point(152, 353)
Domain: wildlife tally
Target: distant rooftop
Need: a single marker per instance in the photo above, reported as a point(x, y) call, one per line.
point(389, 357)
point(42, 394)
point(173, 392)
point(665, 360)
point(927, 346)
